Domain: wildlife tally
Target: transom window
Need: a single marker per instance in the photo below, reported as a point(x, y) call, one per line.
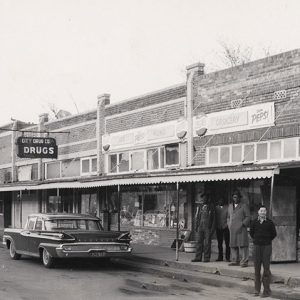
point(148, 159)
point(88, 165)
point(279, 150)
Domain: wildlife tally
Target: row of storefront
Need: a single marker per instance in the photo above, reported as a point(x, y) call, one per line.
point(143, 164)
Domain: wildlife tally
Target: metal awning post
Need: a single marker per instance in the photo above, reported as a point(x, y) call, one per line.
point(271, 196)
point(21, 204)
point(119, 209)
point(177, 222)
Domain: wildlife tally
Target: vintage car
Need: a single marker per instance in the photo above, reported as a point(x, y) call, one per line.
point(52, 236)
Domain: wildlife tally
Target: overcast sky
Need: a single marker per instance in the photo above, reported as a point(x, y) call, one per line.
point(66, 52)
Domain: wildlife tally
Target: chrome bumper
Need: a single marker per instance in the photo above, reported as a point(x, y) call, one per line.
point(92, 250)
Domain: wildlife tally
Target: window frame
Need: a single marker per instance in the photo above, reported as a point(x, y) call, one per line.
point(90, 172)
point(46, 169)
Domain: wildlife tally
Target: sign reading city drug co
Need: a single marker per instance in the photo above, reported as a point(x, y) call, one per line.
point(36, 147)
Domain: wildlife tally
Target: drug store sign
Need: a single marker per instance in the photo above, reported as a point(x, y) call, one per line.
point(36, 147)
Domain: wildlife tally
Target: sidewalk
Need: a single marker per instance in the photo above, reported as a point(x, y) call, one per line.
point(287, 273)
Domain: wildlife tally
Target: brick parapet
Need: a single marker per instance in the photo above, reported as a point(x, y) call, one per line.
point(165, 113)
point(153, 98)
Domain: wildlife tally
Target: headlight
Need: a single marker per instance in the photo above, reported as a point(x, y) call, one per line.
point(123, 247)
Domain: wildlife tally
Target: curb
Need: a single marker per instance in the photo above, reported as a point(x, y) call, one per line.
point(279, 291)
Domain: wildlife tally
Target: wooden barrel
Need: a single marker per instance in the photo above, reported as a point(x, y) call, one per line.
point(190, 247)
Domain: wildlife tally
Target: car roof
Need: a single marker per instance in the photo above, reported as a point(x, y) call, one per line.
point(51, 216)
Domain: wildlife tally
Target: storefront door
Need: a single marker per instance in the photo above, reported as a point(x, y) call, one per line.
point(284, 215)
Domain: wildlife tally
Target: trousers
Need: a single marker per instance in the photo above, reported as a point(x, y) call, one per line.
point(262, 256)
point(223, 235)
point(203, 244)
point(240, 255)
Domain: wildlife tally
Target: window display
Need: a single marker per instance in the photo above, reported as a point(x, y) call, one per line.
point(153, 209)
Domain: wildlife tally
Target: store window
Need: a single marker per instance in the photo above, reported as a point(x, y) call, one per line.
point(53, 170)
point(112, 163)
point(1, 207)
point(236, 153)
point(262, 151)
point(124, 162)
point(153, 159)
point(224, 155)
point(249, 152)
point(213, 155)
point(137, 161)
point(172, 154)
point(275, 150)
point(289, 148)
point(54, 204)
point(89, 204)
point(70, 168)
point(89, 166)
point(156, 208)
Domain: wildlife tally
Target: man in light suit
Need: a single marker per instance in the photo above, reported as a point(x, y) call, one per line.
point(238, 221)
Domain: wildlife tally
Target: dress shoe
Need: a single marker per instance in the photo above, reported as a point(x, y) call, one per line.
point(206, 260)
point(196, 260)
point(228, 260)
point(233, 264)
point(244, 265)
point(219, 259)
point(265, 295)
point(256, 294)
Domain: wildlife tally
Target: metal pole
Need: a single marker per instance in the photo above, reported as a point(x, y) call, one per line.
point(177, 223)
point(21, 225)
point(119, 208)
point(272, 195)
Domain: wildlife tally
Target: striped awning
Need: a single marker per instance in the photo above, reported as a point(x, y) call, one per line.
point(194, 177)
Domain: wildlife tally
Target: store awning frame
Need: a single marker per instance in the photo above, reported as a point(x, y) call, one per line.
point(161, 179)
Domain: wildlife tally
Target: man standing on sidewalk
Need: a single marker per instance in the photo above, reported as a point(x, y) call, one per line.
point(238, 221)
point(262, 231)
point(205, 227)
point(222, 229)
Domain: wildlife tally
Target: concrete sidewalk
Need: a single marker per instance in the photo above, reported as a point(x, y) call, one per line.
point(287, 273)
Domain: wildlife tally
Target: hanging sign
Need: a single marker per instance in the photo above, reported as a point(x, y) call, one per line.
point(36, 147)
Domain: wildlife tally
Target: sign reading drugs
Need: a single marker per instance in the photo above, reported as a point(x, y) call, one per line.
point(36, 147)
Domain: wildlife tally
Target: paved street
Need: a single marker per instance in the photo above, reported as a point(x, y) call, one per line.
point(28, 279)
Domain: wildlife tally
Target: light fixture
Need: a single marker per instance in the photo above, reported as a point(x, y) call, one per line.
point(106, 147)
point(201, 131)
point(181, 134)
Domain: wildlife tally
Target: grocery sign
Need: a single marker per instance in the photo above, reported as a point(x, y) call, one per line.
point(36, 147)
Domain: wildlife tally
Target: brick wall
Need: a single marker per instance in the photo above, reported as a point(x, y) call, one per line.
point(152, 116)
point(73, 120)
point(253, 83)
point(147, 100)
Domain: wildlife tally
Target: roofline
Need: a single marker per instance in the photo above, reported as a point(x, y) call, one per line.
point(145, 95)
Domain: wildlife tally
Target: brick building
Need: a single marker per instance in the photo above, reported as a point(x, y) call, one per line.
point(143, 164)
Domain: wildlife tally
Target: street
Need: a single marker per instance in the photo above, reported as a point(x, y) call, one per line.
point(28, 279)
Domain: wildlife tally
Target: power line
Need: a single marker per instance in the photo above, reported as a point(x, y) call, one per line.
point(33, 131)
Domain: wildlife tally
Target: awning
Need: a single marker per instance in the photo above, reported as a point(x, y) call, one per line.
point(193, 177)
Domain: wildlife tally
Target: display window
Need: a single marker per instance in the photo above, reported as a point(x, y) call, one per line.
point(156, 208)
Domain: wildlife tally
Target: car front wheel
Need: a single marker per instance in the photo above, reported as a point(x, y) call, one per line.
point(12, 252)
point(48, 260)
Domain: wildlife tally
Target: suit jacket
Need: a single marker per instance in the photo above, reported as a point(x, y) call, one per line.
point(238, 221)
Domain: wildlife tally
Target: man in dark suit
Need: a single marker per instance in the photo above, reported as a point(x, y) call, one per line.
point(262, 231)
point(222, 230)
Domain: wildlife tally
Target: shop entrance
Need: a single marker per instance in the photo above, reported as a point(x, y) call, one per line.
point(285, 214)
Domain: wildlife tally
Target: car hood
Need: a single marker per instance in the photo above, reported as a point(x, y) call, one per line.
point(98, 236)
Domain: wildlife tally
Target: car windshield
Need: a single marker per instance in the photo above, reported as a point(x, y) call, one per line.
point(72, 224)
